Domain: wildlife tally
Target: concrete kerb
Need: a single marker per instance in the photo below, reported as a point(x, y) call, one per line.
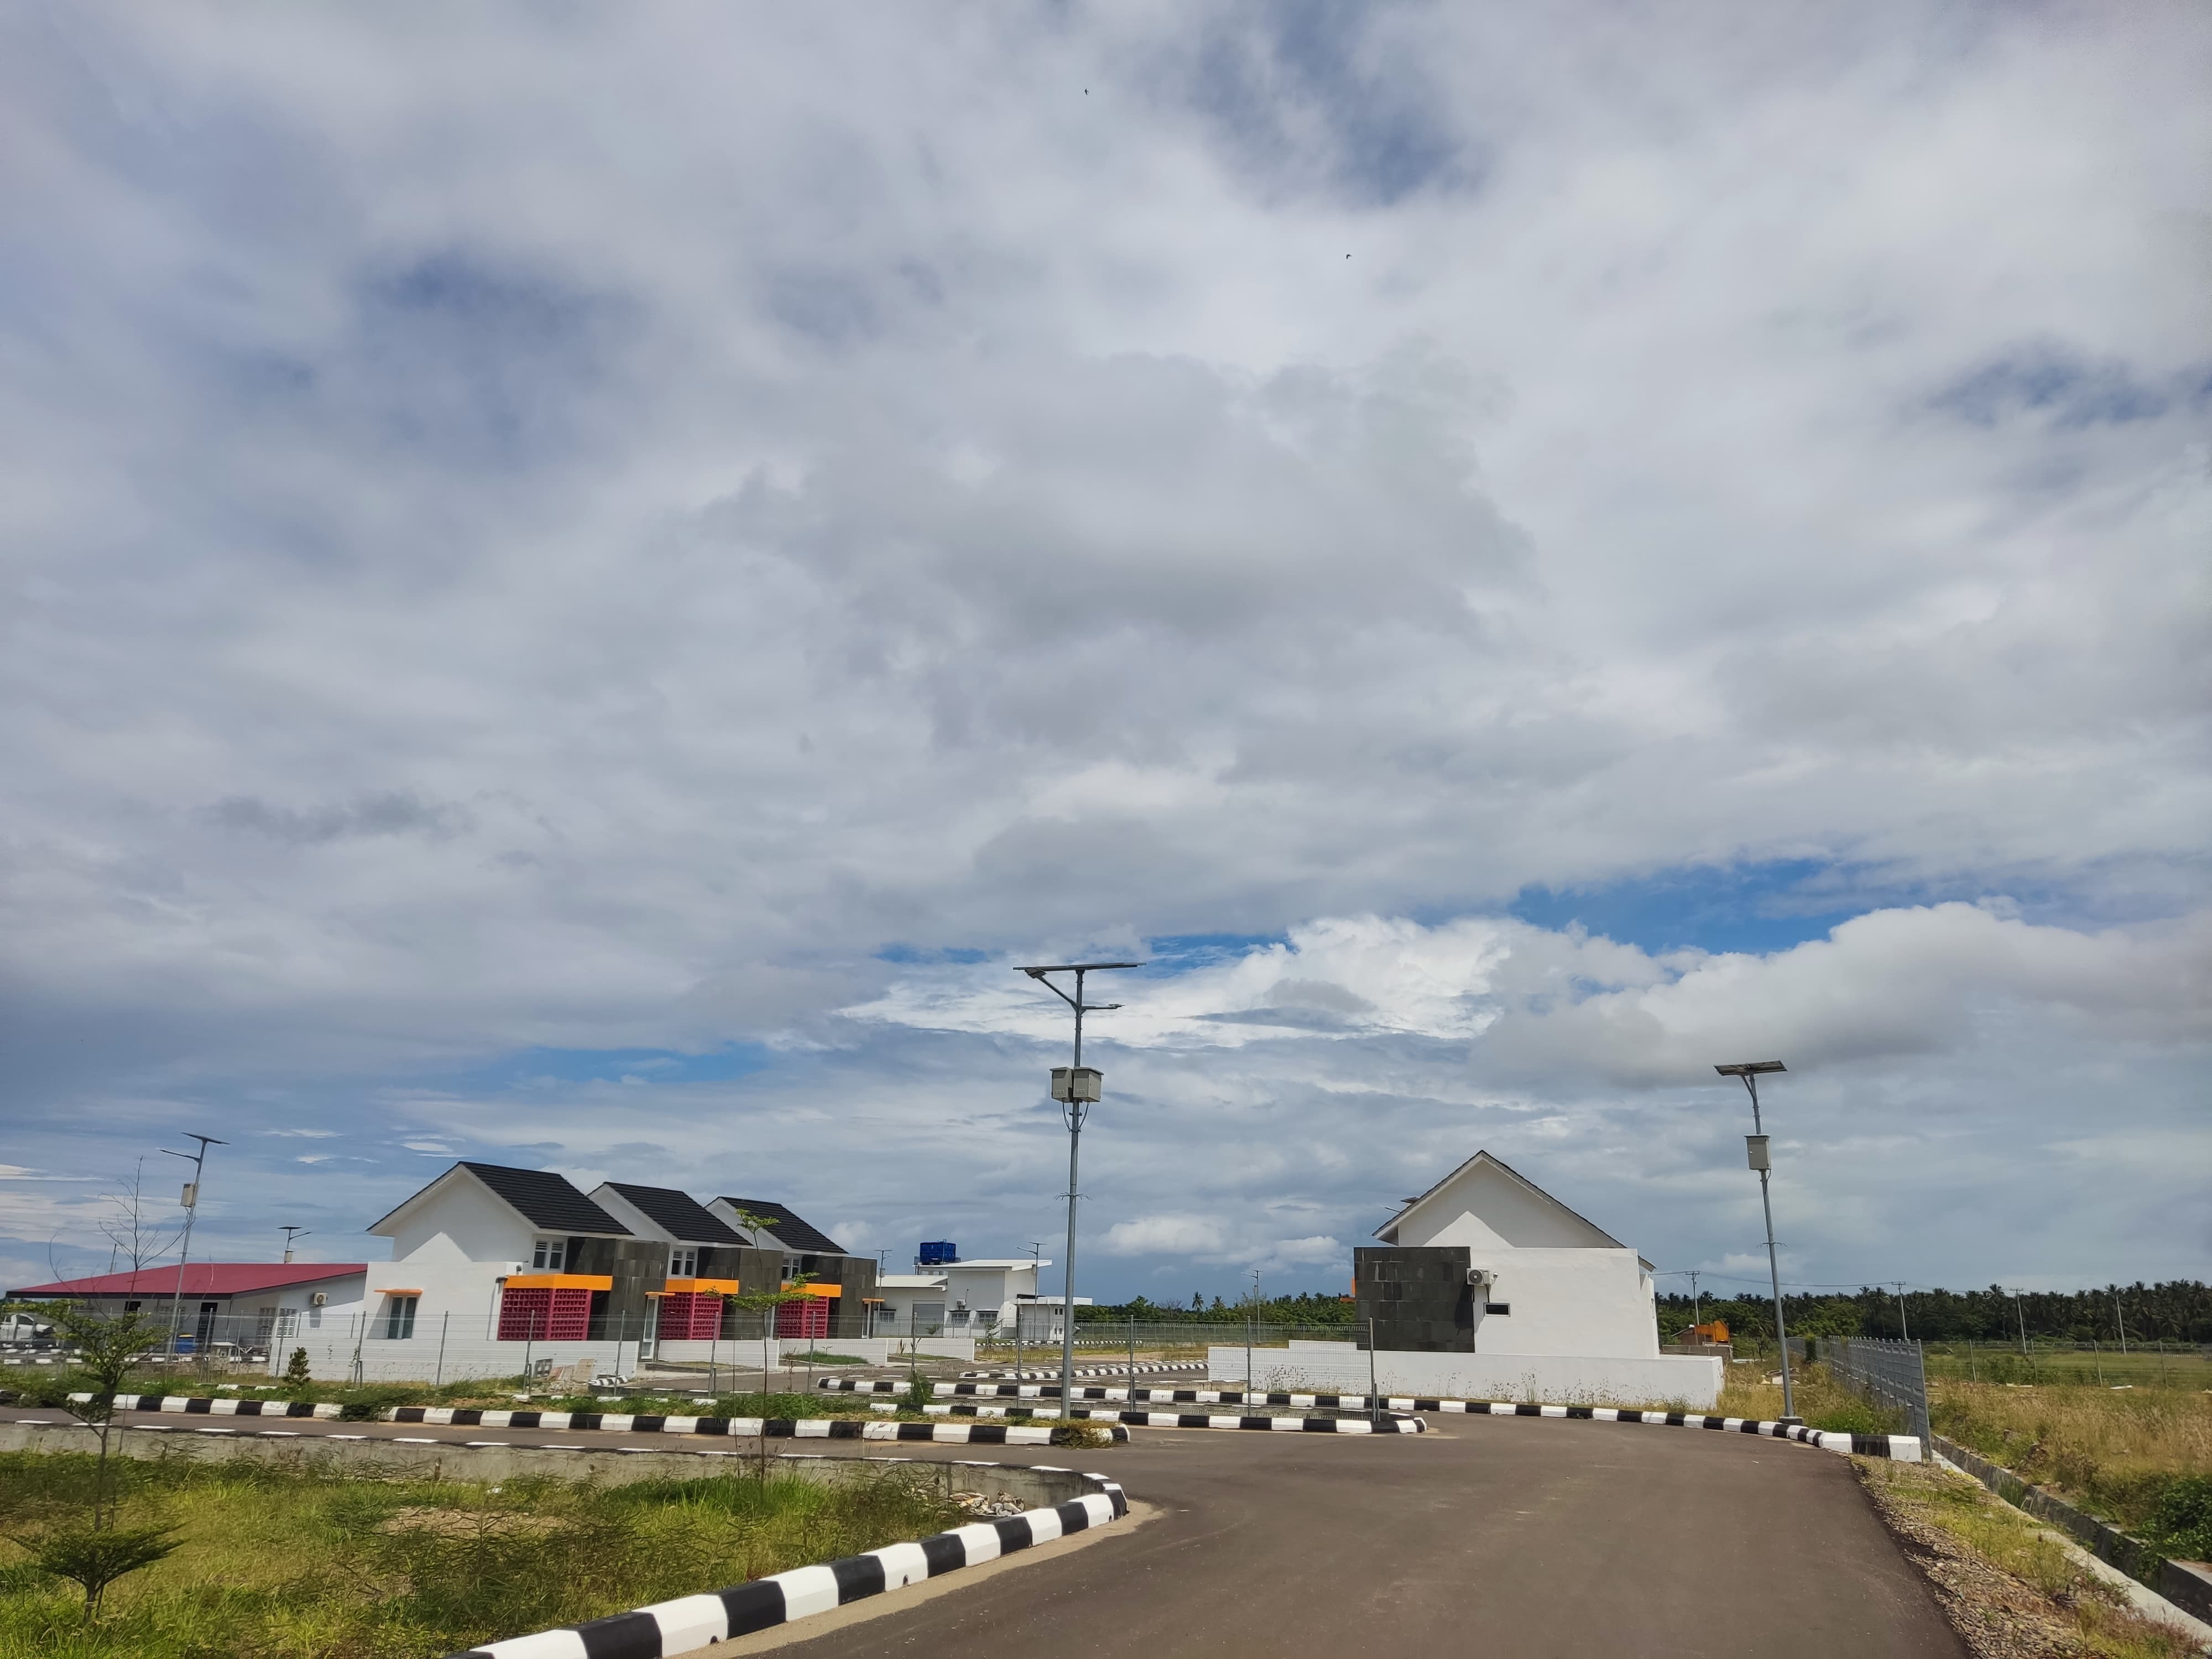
point(773, 1428)
point(1904, 1448)
point(693, 1622)
point(1147, 1369)
point(1390, 1424)
point(371, 1457)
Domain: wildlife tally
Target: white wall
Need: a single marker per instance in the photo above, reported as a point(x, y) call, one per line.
point(1686, 1383)
point(474, 1225)
point(1565, 1301)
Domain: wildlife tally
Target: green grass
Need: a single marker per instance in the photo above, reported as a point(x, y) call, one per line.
point(2189, 1372)
point(2045, 1581)
point(2128, 1456)
point(278, 1564)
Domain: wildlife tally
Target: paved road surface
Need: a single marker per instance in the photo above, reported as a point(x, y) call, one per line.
point(1504, 1536)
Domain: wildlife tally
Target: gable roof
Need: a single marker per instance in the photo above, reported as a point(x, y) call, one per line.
point(789, 1229)
point(201, 1279)
point(679, 1213)
point(539, 1196)
point(1388, 1232)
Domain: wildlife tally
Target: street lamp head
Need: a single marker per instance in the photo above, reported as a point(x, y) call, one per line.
point(1751, 1068)
point(1073, 967)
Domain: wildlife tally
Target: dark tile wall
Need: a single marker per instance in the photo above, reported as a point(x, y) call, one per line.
point(1418, 1298)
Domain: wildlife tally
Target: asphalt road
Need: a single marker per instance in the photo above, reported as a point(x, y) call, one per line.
point(1504, 1536)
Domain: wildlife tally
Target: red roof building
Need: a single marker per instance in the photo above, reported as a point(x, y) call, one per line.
point(204, 1278)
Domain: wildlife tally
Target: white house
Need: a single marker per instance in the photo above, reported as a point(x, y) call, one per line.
point(1548, 1281)
point(976, 1296)
point(1487, 1287)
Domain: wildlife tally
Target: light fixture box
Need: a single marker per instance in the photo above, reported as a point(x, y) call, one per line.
point(1076, 1083)
point(1754, 1148)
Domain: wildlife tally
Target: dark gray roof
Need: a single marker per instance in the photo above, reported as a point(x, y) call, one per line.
point(546, 1200)
point(789, 1229)
point(679, 1214)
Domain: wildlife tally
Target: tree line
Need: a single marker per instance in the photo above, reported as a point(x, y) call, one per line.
point(2179, 1310)
point(1307, 1307)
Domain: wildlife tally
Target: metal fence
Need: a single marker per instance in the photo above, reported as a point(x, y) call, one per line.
point(1892, 1374)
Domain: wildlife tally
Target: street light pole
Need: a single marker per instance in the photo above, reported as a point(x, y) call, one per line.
point(185, 1249)
point(1755, 1149)
point(1077, 1090)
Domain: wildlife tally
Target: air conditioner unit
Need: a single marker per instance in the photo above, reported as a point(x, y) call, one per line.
point(1480, 1277)
point(319, 1298)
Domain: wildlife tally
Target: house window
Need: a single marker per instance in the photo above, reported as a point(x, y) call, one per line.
point(399, 1317)
point(547, 1255)
point(287, 1323)
point(132, 1307)
point(265, 1326)
point(683, 1263)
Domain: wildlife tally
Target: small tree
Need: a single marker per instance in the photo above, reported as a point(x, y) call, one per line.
point(108, 1348)
point(95, 1557)
point(295, 1374)
point(766, 1302)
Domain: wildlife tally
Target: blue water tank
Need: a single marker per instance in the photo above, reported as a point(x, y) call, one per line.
point(936, 1253)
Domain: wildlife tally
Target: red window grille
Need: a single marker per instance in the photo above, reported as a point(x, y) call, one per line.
point(690, 1316)
point(533, 1314)
point(805, 1320)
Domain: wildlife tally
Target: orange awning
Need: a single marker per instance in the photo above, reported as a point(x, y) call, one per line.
point(702, 1287)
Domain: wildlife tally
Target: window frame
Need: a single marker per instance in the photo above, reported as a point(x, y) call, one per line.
point(399, 1317)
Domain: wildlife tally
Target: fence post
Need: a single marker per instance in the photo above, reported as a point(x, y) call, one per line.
point(439, 1381)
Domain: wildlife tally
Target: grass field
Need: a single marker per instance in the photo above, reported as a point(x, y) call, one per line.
point(281, 1565)
point(2189, 1370)
point(2125, 1455)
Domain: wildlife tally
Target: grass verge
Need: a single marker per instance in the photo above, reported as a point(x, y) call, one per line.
point(2011, 1591)
point(2142, 1459)
point(281, 1564)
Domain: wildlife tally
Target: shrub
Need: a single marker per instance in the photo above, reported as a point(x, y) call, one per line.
point(295, 1374)
point(96, 1558)
point(2181, 1518)
point(1082, 1434)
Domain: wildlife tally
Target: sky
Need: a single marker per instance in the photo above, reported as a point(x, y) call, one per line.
point(583, 586)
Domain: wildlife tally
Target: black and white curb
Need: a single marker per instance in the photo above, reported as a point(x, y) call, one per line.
point(776, 1428)
point(1903, 1448)
point(692, 1622)
point(1392, 1424)
point(1151, 1370)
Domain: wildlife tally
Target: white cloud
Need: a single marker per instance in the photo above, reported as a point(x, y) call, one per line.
point(1164, 1234)
point(479, 588)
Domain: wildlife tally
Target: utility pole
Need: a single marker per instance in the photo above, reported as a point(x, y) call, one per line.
point(1695, 1305)
point(2020, 1307)
point(191, 1207)
point(1901, 1325)
point(1755, 1146)
point(1077, 1088)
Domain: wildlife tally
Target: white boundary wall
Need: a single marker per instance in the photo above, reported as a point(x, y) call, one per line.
point(1692, 1381)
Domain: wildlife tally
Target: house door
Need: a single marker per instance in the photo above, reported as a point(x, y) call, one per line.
point(205, 1330)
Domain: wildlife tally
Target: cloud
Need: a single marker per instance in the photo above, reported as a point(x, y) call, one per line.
point(487, 602)
point(1160, 1235)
